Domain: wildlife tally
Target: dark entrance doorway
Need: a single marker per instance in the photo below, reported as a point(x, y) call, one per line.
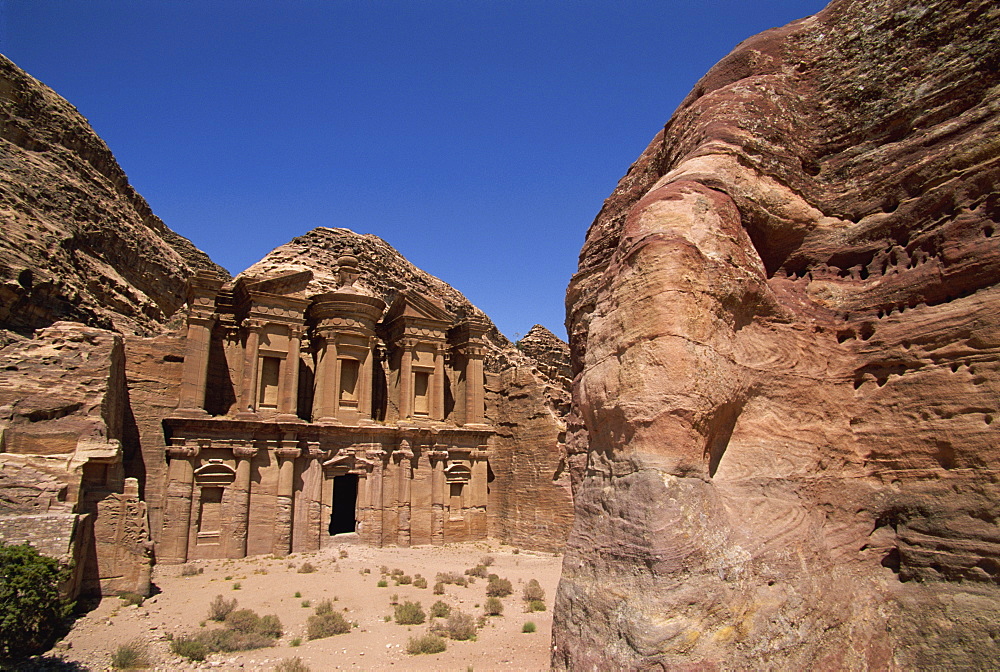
point(345, 496)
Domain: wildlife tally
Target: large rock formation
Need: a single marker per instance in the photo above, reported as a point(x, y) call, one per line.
point(78, 242)
point(63, 404)
point(785, 332)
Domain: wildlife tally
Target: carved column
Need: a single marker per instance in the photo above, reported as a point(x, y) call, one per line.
point(289, 398)
point(474, 401)
point(240, 529)
point(478, 495)
point(438, 459)
point(251, 360)
point(365, 384)
point(327, 381)
point(375, 488)
point(194, 377)
point(437, 400)
point(405, 456)
point(286, 454)
point(406, 380)
point(177, 513)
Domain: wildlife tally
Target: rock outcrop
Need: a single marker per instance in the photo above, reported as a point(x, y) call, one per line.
point(78, 242)
point(785, 331)
point(63, 403)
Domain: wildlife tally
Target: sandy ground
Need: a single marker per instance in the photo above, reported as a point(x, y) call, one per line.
point(269, 586)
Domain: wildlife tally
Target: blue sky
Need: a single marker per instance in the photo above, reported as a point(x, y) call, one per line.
point(478, 138)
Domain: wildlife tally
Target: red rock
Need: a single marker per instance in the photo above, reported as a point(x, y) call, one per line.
point(785, 335)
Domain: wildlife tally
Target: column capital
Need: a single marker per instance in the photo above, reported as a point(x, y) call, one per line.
point(245, 452)
point(178, 448)
point(439, 455)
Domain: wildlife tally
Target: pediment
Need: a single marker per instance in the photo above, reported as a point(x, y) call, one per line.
point(410, 305)
point(288, 283)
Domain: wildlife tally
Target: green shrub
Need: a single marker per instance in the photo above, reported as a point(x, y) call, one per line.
point(428, 643)
point(297, 641)
point(326, 624)
point(498, 587)
point(227, 640)
point(270, 626)
point(132, 655)
point(410, 613)
point(439, 588)
point(394, 599)
point(291, 665)
point(130, 598)
point(298, 594)
point(461, 626)
point(404, 580)
point(324, 607)
point(306, 604)
point(529, 627)
point(419, 582)
point(243, 620)
point(190, 648)
point(382, 583)
point(306, 568)
point(237, 585)
point(220, 607)
point(536, 605)
point(493, 606)
point(440, 609)
point(533, 591)
point(32, 613)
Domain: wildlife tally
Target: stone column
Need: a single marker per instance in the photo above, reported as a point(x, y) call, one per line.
point(437, 391)
point(365, 384)
point(288, 399)
point(438, 459)
point(405, 456)
point(478, 495)
point(325, 403)
point(251, 360)
point(286, 454)
point(194, 377)
point(406, 380)
point(173, 547)
point(375, 489)
point(474, 401)
point(240, 529)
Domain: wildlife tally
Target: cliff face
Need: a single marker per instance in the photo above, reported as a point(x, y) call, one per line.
point(527, 388)
point(785, 336)
point(78, 242)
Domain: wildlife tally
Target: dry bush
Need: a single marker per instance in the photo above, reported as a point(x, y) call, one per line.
point(404, 580)
point(191, 570)
point(451, 577)
point(410, 613)
point(533, 591)
point(292, 665)
point(326, 624)
point(439, 588)
point(487, 560)
point(493, 607)
point(306, 568)
point(190, 648)
point(478, 570)
point(498, 587)
point(429, 643)
point(130, 598)
point(419, 582)
point(220, 608)
point(324, 607)
point(132, 655)
point(461, 626)
point(440, 609)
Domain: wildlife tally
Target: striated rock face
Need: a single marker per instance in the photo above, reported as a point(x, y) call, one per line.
point(785, 331)
point(78, 242)
point(63, 408)
point(530, 503)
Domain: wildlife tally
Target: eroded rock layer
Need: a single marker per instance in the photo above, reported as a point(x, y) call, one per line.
point(78, 242)
point(786, 340)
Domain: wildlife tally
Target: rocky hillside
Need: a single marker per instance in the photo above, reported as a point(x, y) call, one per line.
point(78, 243)
point(785, 331)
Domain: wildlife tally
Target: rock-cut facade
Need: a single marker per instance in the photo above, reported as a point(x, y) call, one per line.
point(303, 416)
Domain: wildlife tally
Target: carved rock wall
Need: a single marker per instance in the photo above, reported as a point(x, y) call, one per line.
point(63, 402)
point(78, 242)
point(786, 342)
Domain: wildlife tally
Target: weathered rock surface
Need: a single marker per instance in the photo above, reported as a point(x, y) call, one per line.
point(78, 242)
point(530, 502)
point(786, 338)
point(63, 404)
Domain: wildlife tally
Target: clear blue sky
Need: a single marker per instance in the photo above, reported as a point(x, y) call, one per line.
point(478, 138)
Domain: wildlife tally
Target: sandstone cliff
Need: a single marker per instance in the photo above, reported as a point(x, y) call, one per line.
point(78, 242)
point(785, 334)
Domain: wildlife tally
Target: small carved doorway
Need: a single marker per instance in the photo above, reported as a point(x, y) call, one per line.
point(345, 497)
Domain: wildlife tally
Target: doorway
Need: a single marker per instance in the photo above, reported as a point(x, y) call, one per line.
point(345, 496)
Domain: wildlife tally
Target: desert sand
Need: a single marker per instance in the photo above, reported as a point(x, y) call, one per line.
point(347, 573)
